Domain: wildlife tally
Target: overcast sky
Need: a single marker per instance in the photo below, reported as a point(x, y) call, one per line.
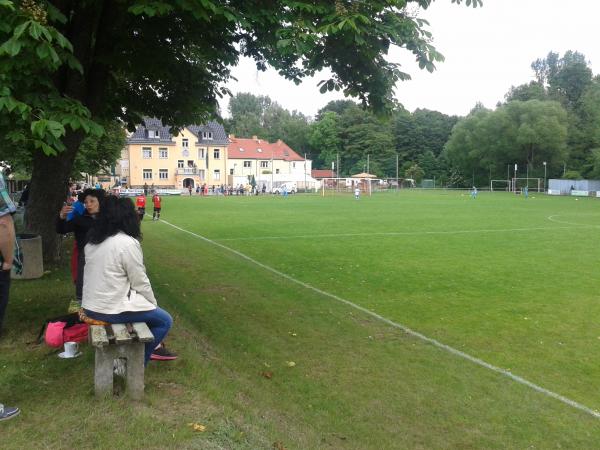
point(487, 50)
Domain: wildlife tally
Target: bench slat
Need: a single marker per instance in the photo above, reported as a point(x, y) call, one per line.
point(122, 336)
point(143, 332)
point(98, 336)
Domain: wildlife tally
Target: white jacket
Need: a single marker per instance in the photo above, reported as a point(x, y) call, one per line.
point(115, 279)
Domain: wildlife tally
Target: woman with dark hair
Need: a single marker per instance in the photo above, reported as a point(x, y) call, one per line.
point(116, 288)
point(79, 222)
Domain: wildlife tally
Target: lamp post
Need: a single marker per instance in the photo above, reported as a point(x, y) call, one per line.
point(515, 180)
point(544, 176)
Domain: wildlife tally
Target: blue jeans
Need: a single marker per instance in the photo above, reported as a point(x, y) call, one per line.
point(158, 320)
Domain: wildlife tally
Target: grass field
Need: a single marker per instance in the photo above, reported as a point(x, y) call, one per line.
point(258, 282)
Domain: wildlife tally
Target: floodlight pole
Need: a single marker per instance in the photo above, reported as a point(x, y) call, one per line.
point(396, 172)
point(515, 180)
point(305, 173)
point(544, 176)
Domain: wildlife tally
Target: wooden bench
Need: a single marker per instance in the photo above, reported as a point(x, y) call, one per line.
point(120, 344)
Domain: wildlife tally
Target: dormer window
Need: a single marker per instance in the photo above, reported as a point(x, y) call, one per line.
point(241, 149)
point(207, 135)
point(154, 134)
point(259, 150)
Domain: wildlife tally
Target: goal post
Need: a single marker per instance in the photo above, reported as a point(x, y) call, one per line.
point(532, 184)
point(332, 186)
point(500, 185)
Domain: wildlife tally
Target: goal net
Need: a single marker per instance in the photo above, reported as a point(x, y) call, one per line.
point(532, 184)
point(500, 185)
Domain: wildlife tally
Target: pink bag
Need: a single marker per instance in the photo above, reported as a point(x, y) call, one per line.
point(57, 333)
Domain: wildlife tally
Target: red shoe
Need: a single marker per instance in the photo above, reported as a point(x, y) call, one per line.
point(162, 354)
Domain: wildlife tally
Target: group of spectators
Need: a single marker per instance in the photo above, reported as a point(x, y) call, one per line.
point(111, 284)
point(223, 189)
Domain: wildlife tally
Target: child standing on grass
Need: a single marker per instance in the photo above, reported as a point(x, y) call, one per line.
point(357, 193)
point(474, 192)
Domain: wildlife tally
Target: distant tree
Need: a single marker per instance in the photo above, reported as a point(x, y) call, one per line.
point(524, 92)
point(336, 106)
point(526, 133)
point(98, 154)
point(325, 138)
point(414, 172)
point(364, 134)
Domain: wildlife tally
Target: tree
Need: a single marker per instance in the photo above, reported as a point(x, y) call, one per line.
point(168, 59)
point(325, 138)
point(414, 172)
point(100, 153)
point(526, 133)
point(364, 134)
point(531, 91)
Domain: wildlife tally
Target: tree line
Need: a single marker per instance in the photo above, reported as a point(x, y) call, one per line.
point(554, 119)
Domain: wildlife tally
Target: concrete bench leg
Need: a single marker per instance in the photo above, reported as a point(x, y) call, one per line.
point(135, 370)
point(133, 353)
point(103, 372)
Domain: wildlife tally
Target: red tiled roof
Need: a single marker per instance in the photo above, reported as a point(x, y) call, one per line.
point(255, 148)
point(322, 173)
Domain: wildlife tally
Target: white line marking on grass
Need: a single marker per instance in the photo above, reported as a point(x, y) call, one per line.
point(407, 330)
point(393, 233)
point(582, 225)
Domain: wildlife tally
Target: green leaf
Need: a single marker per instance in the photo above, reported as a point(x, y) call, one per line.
point(7, 4)
point(55, 128)
point(12, 47)
point(42, 50)
point(282, 43)
point(38, 128)
point(35, 30)
point(20, 29)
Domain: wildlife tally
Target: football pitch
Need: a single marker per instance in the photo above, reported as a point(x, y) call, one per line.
point(430, 319)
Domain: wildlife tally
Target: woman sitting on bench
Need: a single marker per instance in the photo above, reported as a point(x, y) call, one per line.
point(116, 288)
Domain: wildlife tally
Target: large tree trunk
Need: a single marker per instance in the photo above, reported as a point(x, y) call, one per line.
point(49, 185)
point(50, 174)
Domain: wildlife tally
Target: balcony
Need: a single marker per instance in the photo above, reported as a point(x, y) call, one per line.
point(187, 171)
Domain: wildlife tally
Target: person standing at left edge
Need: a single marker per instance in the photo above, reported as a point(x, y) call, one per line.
point(8, 260)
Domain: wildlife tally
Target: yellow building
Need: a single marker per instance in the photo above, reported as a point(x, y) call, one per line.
point(154, 157)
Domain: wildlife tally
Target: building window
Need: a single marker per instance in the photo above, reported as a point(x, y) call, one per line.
point(217, 175)
point(264, 164)
point(147, 174)
point(207, 135)
point(146, 153)
point(180, 164)
point(216, 153)
point(276, 170)
point(201, 154)
point(163, 174)
point(185, 143)
point(153, 134)
point(294, 165)
point(230, 171)
point(247, 163)
point(201, 174)
point(163, 153)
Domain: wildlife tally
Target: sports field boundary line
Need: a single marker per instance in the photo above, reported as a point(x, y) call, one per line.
point(401, 233)
point(404, 328)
